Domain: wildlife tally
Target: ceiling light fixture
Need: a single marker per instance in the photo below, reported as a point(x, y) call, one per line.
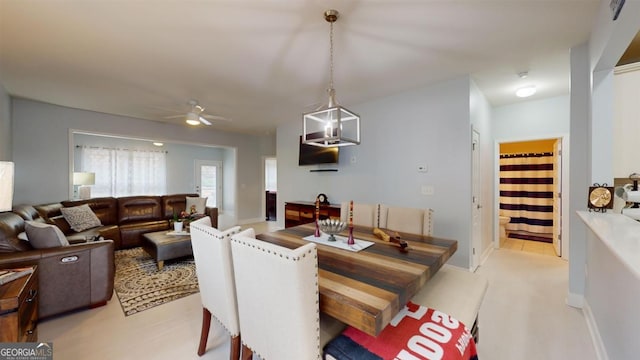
point(158, 143)
point(526, 91)
point(331, 125)
point(192, 119)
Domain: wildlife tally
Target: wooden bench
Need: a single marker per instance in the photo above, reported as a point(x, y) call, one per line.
point(456, 292)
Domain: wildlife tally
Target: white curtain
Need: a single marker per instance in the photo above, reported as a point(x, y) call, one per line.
point(124, 172)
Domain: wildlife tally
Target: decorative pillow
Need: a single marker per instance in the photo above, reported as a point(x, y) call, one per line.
point(435, 334)
point(43, 236)
point(199, 203)
point(81, 217)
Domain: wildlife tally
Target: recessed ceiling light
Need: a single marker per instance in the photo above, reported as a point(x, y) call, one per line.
point(526, 91)
point(157, 143)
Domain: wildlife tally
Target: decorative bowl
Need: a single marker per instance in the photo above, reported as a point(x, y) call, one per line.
point(332, 227)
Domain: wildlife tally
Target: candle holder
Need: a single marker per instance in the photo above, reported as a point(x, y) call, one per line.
point(350, 240)
point(317, 233)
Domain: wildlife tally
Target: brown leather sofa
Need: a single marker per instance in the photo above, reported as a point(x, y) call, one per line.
point(82, 274)
point(70, 277)
point(123, 219)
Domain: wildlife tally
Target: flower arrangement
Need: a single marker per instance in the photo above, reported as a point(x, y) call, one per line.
point(185, 216)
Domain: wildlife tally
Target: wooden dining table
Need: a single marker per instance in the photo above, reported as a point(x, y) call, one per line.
point(366, 289)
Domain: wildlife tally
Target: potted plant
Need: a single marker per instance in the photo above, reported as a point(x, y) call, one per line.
point(177, 223)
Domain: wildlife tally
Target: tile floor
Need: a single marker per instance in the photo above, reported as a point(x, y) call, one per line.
point(536, 247)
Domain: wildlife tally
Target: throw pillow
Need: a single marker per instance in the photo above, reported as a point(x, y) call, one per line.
point(81, 217)
point(43, 236)
point(197, 203)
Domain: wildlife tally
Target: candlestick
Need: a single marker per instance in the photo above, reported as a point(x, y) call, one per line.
point(317, 233)
point(350, 240)
point(351, 213)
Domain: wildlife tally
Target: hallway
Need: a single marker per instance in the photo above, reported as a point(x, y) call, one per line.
point(535, 247)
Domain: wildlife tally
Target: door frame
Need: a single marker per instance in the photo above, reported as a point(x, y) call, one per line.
point(264, 186)
point(476, 201)
point(219, 178)
point(565, 187)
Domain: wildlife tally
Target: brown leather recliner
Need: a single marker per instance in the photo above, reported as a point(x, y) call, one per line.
point(70, 277)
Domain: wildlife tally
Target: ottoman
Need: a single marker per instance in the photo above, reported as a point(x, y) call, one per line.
point(162, 246)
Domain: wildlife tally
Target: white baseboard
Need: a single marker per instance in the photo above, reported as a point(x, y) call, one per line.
point(575, 300)
point(601, 351)
point(250, 221)
point(485, 254)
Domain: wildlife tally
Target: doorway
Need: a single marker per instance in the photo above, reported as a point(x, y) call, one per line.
point(530, 196)
point(270, 188)
point(209, 181)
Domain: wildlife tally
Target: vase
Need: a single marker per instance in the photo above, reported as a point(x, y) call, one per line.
point(350, 240)
point(177, 226)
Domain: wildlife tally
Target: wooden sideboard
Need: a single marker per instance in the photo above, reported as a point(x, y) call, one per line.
point(19, 309)
point(303, 212)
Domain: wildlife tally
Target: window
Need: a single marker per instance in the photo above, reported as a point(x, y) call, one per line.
point(125, 172)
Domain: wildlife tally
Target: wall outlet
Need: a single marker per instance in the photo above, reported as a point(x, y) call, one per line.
point(427, 190)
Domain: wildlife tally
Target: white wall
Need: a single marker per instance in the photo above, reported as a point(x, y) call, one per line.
point(41, 148)
point(428, 126)
point(535, 119)
point(481, 120)
point(591, 68)
point(626, 123)
point(5, 125)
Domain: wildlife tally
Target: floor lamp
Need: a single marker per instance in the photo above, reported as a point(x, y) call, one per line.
point(84, 180)
point(6, 185)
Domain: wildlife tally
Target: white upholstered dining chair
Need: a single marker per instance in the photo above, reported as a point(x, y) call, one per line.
point(408, 220)
point(278, 298)
point(212, 254)
point(363, 214)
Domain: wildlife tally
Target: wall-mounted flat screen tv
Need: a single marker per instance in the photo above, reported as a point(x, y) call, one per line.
point(312, 155)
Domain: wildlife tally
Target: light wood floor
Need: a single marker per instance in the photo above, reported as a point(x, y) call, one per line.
point(523, 316)
point(536, 247)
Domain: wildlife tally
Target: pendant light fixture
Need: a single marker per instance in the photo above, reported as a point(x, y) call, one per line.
point(331, 125)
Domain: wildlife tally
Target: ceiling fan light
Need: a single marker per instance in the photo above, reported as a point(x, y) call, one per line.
point(526, 91)
point(192, 119)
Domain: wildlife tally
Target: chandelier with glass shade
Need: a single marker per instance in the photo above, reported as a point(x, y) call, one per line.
point(331, 125)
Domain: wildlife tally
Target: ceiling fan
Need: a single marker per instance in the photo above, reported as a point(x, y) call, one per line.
point(196, 115)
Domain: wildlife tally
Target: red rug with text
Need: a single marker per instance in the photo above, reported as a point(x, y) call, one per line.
point(417, 332)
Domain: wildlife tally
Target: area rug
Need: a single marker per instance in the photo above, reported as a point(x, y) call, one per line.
point(140, 286)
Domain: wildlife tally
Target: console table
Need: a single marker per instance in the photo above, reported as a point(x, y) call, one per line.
point(19, 309)
point(304, 212)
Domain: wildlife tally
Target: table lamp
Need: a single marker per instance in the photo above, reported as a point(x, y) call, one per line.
point(6, 185)
point(84, 180)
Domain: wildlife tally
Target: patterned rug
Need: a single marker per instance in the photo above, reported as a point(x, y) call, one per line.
point(140, 285)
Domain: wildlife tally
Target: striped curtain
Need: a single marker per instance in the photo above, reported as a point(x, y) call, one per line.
point(526, 192)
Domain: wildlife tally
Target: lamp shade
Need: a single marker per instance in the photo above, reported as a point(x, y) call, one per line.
point(6, 185)
point(84, 178)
